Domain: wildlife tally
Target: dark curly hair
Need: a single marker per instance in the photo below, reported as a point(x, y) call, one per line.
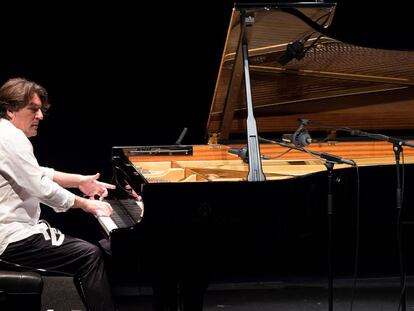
point(16, 94)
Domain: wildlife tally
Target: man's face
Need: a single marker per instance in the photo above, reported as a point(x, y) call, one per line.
point(27, 119)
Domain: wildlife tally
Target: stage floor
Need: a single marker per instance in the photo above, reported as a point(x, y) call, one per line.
point(301, 295)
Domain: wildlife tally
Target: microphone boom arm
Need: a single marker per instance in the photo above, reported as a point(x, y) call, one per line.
point(322, 155)
point(393, 140)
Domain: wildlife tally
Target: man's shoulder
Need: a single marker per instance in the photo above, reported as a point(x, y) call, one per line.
point(8, 132)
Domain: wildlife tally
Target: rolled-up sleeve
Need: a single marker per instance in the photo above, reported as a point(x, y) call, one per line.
point(20, 167)
point(49, 172)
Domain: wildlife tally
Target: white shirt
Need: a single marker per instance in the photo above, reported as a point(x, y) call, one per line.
point(23, 185)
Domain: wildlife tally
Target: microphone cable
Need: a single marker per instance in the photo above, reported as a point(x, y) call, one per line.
point(266, 157)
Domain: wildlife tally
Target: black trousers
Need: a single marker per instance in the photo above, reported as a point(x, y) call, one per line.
point(78, 258)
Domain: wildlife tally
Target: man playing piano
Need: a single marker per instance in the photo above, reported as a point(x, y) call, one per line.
point(24, 184)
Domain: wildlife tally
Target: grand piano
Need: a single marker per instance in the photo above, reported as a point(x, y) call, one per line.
point(209, 218)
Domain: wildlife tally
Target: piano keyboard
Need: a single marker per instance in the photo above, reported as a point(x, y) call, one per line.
point(126, 213)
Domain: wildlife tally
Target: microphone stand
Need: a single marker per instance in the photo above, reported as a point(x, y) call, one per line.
point(329, 166)
point(397, 147)
point(329, 162)
point(397, 151)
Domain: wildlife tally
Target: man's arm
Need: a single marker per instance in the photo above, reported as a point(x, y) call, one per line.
point(88, 184)
point(67, 180)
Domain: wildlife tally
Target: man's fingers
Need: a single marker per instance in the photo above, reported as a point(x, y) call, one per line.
point(108, 186)
point(103, 209)
point(107, 208)
point(103, 194)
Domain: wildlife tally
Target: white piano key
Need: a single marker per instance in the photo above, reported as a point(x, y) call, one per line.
point(107, 223)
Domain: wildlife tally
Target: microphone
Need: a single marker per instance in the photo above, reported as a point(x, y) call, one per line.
point(242, 153)
point(294, 49)
point(301, 137)
point(336, 159)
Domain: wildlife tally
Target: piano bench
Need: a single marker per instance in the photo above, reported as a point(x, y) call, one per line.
point(20, 290)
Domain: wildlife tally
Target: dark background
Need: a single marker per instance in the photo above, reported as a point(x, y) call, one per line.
point(137, 74)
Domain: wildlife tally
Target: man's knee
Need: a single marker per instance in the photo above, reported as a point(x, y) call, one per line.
point(94, 252)
point(91, 254)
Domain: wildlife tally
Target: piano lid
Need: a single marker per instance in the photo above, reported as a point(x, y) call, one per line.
point(298, 70)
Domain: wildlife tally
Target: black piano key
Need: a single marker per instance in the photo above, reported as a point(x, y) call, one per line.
point(125, 213)
point(119, 215)
point(132, 208)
